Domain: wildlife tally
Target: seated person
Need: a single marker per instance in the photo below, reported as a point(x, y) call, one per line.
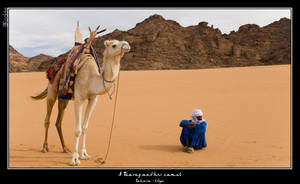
point(193, 132)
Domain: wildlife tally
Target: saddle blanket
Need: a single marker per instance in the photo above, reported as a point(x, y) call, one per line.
point(68, 74)
point(54, 68)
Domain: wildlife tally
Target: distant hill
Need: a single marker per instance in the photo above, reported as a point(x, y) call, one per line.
point(17, 62)
point(157, 43)
point(20, 63)
point(36, 61)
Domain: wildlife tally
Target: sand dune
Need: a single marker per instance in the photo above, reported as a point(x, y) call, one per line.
point(247, 110)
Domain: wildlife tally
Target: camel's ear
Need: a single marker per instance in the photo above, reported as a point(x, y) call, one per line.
point(106, 43)
point(90, 29)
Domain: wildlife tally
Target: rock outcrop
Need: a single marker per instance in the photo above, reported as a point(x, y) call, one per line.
point(157, 43)
point(17, 62)
point(20, 63)
point(163, 44)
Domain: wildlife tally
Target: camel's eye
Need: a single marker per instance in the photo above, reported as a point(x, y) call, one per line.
point(114, 46)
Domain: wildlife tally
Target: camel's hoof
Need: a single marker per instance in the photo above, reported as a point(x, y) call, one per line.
point(66, 150)
point(75, 159)
point(74, 162)
point(85, 157)
point(45, 150)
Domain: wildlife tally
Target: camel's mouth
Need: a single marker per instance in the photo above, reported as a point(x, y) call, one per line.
point(126, 48)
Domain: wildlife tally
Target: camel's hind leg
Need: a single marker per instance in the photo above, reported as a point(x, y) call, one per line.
point(62, 104)
point(50, 102)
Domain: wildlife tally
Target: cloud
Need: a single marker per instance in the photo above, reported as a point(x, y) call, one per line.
point(31, 40)
point(227, 20)
point(54, 52)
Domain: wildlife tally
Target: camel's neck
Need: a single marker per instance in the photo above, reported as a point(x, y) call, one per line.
point(111, 67)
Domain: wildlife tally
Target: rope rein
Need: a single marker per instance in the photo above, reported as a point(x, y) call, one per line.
point(113, 81)
point(99, 160)
point(113, 119)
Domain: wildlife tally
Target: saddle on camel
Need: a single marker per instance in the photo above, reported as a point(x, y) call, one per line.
point(70, 65)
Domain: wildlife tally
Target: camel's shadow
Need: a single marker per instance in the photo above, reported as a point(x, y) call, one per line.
point(165, 148)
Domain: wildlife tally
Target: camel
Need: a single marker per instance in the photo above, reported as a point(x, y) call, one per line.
point(88, 85)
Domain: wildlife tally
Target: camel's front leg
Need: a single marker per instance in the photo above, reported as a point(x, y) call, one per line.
point(89, 109)
point(78, 113)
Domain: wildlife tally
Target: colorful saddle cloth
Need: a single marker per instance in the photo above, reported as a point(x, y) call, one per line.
point(67, 77)
point(54, 68)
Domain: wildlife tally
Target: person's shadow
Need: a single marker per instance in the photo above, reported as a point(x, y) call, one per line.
point(167, 148)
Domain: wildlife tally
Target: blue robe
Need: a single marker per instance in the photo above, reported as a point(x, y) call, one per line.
point(195, 136)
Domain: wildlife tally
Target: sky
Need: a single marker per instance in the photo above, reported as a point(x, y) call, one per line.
point(51, 31)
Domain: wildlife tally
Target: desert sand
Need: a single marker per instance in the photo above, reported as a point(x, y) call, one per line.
point(247, 110)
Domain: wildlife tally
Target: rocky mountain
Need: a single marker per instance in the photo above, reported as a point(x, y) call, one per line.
point(17, 62)
point(36, 61)
point(268, 45)
point(20, 63)
point(157, 43)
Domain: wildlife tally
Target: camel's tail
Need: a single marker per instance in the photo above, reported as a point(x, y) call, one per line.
point(41, 95)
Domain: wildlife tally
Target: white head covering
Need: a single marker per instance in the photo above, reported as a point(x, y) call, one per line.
point(195, 113)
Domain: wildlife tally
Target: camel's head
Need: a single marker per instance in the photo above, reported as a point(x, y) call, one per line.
point(116, 48)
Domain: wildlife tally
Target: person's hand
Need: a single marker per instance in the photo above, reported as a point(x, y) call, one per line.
point(190, 125)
